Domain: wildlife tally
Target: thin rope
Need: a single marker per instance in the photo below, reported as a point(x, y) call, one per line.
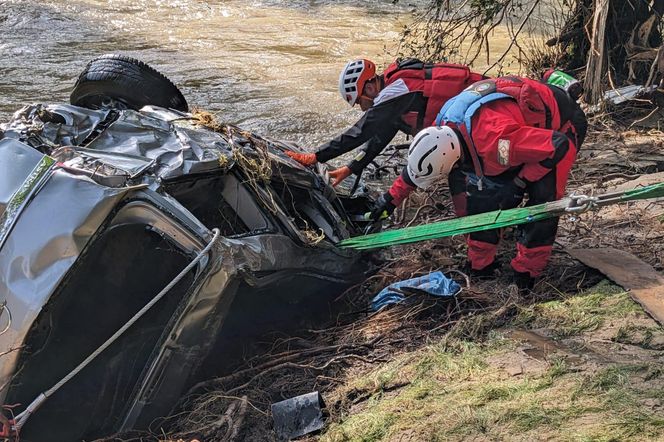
point(39, 400)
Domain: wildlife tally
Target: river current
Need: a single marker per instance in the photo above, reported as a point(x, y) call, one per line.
point(270, 66)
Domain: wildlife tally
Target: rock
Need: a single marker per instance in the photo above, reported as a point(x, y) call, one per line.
point(514, 369)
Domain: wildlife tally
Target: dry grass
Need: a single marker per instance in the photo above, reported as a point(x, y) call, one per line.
point(464, 391)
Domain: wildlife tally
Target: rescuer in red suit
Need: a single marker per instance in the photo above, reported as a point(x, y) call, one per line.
point(497, 141)
point(407, 96)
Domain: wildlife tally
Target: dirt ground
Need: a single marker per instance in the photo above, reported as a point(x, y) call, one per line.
point(581, 342)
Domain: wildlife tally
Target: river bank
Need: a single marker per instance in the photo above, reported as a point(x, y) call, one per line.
point(578, 359)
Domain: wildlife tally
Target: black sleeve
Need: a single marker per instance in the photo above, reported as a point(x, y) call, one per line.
point(571, 111)
point(406, 177)
point(379, 124)
point(373, 148)
point(580, 123)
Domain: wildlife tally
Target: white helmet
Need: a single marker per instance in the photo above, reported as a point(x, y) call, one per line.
point(353, 77)
point(432, 154)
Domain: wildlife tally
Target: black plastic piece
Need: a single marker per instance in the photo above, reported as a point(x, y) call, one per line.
point(298, 416)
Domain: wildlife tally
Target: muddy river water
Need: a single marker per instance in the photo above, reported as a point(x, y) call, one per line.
point(270, 66)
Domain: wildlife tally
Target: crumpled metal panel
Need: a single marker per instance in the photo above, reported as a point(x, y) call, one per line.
point(275, 252)
point(169, 139)
point(45, 242)
point(153, 135)
point(175, 148)
point(21, 160)
point(132, 165)
point(38, 123)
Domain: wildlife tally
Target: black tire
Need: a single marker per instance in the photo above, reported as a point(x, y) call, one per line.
point(123, 82)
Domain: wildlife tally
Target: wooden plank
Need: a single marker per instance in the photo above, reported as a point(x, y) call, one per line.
point(645, 285)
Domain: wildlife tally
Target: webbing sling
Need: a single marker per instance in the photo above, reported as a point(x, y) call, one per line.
point(499, 218)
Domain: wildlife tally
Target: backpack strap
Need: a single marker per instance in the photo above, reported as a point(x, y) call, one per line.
point(460, 110)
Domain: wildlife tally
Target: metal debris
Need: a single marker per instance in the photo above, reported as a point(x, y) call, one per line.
point(298, 416)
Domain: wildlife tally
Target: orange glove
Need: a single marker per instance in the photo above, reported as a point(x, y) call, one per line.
point(306, 159)
point(339, 175)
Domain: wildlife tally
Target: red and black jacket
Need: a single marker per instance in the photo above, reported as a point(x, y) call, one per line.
point(429, 87)
point(512, 124)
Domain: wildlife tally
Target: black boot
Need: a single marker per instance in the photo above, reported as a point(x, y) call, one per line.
point(485, 273)
point(523, 281)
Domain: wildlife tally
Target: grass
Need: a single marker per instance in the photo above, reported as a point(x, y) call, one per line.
point(457, 391)
point(643, 336)
point(581, 313)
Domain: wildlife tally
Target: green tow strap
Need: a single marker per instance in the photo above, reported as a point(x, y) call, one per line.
point(498, 219)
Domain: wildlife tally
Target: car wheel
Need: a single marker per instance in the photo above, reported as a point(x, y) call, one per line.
point(116, 81)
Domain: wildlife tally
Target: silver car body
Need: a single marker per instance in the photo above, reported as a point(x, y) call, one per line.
point(123, 201)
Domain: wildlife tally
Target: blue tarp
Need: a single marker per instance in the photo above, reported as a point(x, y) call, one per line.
point(434, 284)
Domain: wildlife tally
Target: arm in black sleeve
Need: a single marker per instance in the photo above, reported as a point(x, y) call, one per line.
point(373, 148)
point(580, 123)
point(379, 124)
point(571, 111)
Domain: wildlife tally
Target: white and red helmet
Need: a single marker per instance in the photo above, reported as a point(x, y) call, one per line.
point(432, 154)
point(353, 77)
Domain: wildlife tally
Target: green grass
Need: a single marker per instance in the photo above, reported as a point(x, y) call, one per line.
point(455, 389)
point(615, 377)
point(581, 313)
point(640, 335)
point(463, 363)
point(365, 427)
point(557, 368)
point(640, 423)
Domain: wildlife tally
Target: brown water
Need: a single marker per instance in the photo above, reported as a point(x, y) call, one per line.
point(270, 66)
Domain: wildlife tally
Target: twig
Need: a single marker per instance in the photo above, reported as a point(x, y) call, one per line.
point(293, 365)
point(644, 118)
point(235, 429)
point(513, 40)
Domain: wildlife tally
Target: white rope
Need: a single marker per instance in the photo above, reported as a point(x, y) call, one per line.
point(35, 404)
point(4, 308)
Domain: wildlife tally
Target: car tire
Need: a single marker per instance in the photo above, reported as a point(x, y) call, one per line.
point(123, 82)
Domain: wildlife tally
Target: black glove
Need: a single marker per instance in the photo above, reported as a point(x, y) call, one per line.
point(383, 208)
point(511, 193)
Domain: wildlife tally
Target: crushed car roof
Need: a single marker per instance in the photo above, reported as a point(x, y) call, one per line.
point(134, 146)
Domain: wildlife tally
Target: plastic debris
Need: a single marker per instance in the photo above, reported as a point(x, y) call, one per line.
point(298, 416)
point(434, 284)
point(623, 94)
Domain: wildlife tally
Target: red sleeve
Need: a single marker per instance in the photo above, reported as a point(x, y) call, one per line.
point(501, 136)
point(400, 190)
point(565, 151)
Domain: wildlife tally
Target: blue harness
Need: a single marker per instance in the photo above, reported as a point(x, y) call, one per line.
point(460, 110)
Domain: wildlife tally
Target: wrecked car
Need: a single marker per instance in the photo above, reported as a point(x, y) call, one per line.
point(138, 240)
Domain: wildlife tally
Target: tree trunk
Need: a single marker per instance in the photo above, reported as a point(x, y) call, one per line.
point(595, 68)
